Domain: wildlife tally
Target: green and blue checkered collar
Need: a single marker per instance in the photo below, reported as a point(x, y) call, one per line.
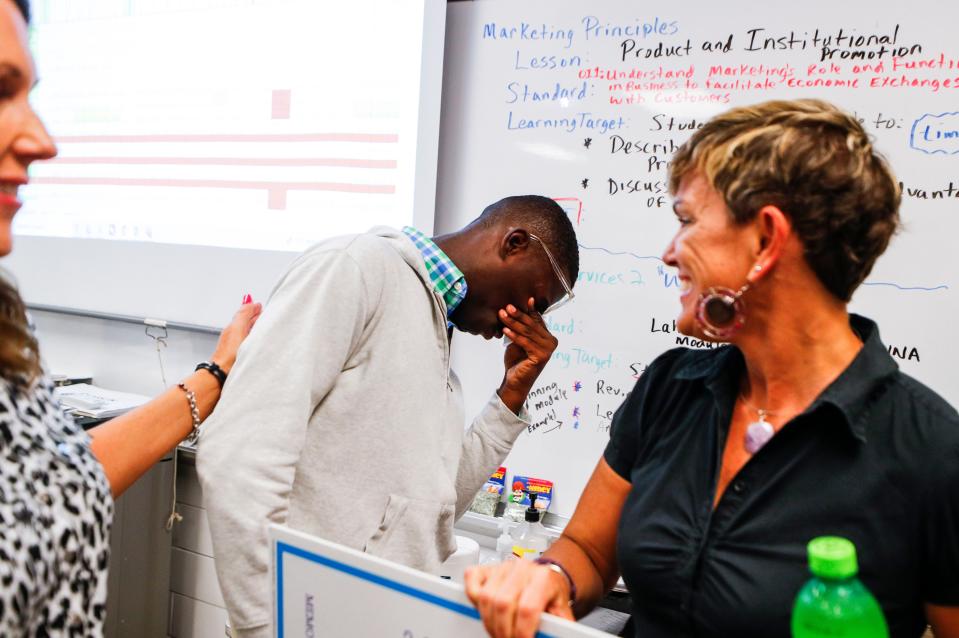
point(448, 280)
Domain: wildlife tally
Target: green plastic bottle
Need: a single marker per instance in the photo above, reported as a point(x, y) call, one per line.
point(833, 603)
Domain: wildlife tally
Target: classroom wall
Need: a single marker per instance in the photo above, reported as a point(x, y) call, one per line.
point(119, 356)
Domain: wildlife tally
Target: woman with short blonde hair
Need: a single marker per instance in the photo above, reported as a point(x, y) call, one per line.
point(724, 463)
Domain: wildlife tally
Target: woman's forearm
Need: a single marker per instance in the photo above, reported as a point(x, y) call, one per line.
point(129, 445)
point(591, 583)
point(587, 547)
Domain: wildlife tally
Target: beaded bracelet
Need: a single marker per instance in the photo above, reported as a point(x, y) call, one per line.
point(194, 413)
point(559, 569)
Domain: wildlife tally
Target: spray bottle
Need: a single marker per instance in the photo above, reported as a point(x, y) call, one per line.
point(504, 544)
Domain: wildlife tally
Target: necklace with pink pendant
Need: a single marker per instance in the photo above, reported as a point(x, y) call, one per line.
point(758, 432)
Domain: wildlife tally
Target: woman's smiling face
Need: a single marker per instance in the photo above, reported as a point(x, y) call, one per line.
point(709, 249)
point(23, 139)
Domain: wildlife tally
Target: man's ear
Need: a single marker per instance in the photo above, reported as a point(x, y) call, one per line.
point(774, 231)
point(515, 242)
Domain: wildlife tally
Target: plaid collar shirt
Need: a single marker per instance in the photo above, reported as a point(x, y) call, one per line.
point(448, 280)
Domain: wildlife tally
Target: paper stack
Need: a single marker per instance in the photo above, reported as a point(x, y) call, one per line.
point(83, 399)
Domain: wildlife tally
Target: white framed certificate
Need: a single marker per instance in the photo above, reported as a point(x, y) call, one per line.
point(322, 589)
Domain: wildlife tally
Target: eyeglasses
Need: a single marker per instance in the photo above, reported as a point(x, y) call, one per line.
point(568, 297)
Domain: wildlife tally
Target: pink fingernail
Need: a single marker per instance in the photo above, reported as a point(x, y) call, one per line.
point(247, 299)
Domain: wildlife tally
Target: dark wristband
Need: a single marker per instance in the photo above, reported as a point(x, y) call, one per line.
point(552, 564)
point(213, 369)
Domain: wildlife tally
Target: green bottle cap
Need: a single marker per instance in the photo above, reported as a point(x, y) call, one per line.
point(832, 557)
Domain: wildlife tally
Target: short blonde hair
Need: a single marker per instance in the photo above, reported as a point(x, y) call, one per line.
point(817, 164)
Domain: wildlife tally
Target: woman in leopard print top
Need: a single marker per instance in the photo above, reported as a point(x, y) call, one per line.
point(57, 483)
point(55, 509)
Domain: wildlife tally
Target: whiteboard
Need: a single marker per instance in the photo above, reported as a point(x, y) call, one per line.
point(541, 96)
point(203, 144)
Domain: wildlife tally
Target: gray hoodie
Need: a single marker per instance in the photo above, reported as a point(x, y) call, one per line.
point(343, 419)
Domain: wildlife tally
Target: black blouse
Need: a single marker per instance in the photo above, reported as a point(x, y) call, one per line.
point(875, 458)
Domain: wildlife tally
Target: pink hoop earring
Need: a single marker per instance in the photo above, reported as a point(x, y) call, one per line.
point(721, 311)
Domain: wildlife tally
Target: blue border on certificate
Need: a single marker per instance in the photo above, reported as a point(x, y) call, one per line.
point(433, 599)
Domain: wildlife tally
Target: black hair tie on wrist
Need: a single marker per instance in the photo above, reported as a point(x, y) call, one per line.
point(213, 369)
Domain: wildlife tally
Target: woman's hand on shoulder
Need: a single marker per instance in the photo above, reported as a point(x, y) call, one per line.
point(233, 335)
point(510, 596)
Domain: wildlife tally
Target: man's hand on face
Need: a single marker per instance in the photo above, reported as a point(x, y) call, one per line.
point(531, 347)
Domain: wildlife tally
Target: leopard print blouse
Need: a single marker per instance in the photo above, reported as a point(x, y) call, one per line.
point(55, 515)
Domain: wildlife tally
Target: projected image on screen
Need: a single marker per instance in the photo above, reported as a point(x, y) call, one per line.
point(245, 124)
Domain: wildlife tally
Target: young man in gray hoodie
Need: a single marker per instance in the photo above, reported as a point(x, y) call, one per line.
point(341, 416)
